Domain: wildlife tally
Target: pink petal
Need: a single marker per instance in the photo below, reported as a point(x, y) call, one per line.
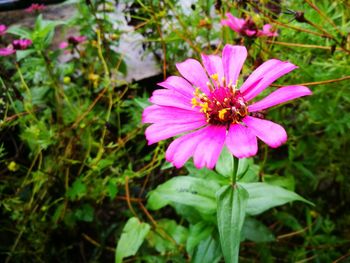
point(233, 58)
point(182, 148)
point(279, 96)
point(213, 65)
point(267, 73)
point(3, 29)
point(164, 97)
point(6, 51)
point(241, 141)
point(259, 73)
point(267, 31)
point(63, 45)
point(178, 84)
point(269, 132)
point(80, 39)
point(233, 22)
point(209, 148)
point(193, 71)
point(161, 131)
point(155, 113)
point(250, 32)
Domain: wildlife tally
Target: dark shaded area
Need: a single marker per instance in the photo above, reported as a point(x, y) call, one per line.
point(8, 5)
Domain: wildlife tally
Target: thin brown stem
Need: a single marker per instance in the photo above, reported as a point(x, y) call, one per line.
point(314, 83)
point(154, 223)
point(341, 258)
point(127, 193)
point(297, 28)
point(132, 199)
point(95, 243)
point(91, 106)
point(295, 233)
point(301, 45)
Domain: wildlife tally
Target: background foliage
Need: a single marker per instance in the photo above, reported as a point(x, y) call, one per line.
point(75, 169)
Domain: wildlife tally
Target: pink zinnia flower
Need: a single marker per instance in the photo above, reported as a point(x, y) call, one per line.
point(73, 40)
point(7, 51)
point(213, 112)
point(3, 29)
point(246, 27)
point(21, 44)
point(35, 8)
point(18, 44)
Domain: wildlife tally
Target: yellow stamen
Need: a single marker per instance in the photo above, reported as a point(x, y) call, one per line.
point(196, 91)
point(204, 106)
point(222, 114)
point(215, 77)
point(194, 102)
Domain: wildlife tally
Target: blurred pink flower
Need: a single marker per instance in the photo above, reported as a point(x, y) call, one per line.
point(210, 112)
point(35, 8)
point(63, 45)
point(73, 40)
point(21, 44)
point(3, 29)
point(7, 51)
point(246, 27)
point(18, 44)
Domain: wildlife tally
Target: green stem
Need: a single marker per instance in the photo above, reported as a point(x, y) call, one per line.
point(235, 170)
point(56, 85)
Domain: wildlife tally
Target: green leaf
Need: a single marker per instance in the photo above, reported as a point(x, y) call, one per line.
point(116, 61)
point(287, 182)
point(159, 239)
point(57, 214)
point(38, 136)
point(232, 201)
point(263, 196)
point(39, 94)
point(21, 54)
point(198, 233)
point(196, 192)
point(288, 220)
point(192, 215)
point(208, 251)
point(111, 188)
point(224, 165)
point(251, 172)
point(256, 231)
point(44, 31)
point(205, 173)
point(243, 167)
point(133, 235)
point(77, 190)
point(84, 213)
point(19, 31)
point(246, 170)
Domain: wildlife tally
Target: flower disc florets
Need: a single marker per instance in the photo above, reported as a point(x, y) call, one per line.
point(224, 106)
point(249, 26)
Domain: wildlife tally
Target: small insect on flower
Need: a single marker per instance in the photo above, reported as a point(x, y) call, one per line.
point(247, 27)
point(208, 110)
